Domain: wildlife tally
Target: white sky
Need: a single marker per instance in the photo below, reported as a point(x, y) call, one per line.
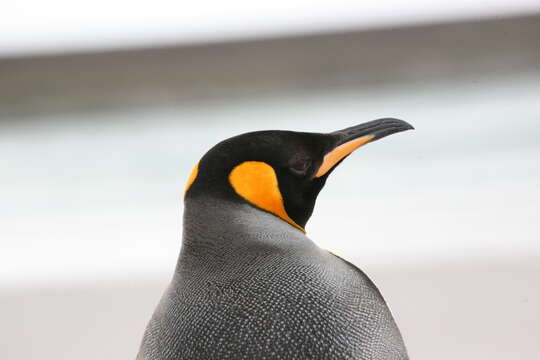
point(36, 26)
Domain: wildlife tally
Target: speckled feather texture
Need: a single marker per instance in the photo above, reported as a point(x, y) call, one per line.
point(250, 286)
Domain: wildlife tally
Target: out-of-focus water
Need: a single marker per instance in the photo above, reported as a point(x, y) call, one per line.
point(99, 194)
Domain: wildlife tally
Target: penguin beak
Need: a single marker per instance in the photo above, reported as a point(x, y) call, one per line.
point(350, 139)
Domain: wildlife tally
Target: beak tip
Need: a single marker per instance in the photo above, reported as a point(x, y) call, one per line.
point(388, 126)
point(399, 123)
point(407, 126)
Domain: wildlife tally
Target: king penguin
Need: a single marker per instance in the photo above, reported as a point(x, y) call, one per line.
point(249, 283)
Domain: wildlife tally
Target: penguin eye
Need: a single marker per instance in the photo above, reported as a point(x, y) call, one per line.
point(300, 165)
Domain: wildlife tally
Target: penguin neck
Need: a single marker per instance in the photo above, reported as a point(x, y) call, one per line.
point(220, 222)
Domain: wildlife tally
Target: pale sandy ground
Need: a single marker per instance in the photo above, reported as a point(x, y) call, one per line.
point(446, 311)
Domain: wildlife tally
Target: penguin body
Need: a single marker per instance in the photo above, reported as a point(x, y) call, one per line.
point(249, 284)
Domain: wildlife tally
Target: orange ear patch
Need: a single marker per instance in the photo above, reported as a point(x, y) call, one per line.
point(257, 183)
point(192, 177)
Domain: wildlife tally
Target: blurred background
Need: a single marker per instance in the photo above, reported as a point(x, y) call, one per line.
point(106, 106)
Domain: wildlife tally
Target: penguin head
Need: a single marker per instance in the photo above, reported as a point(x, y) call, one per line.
point(280, 172)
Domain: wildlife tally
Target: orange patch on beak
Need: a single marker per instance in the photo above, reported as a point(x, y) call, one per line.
point(336, 155)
